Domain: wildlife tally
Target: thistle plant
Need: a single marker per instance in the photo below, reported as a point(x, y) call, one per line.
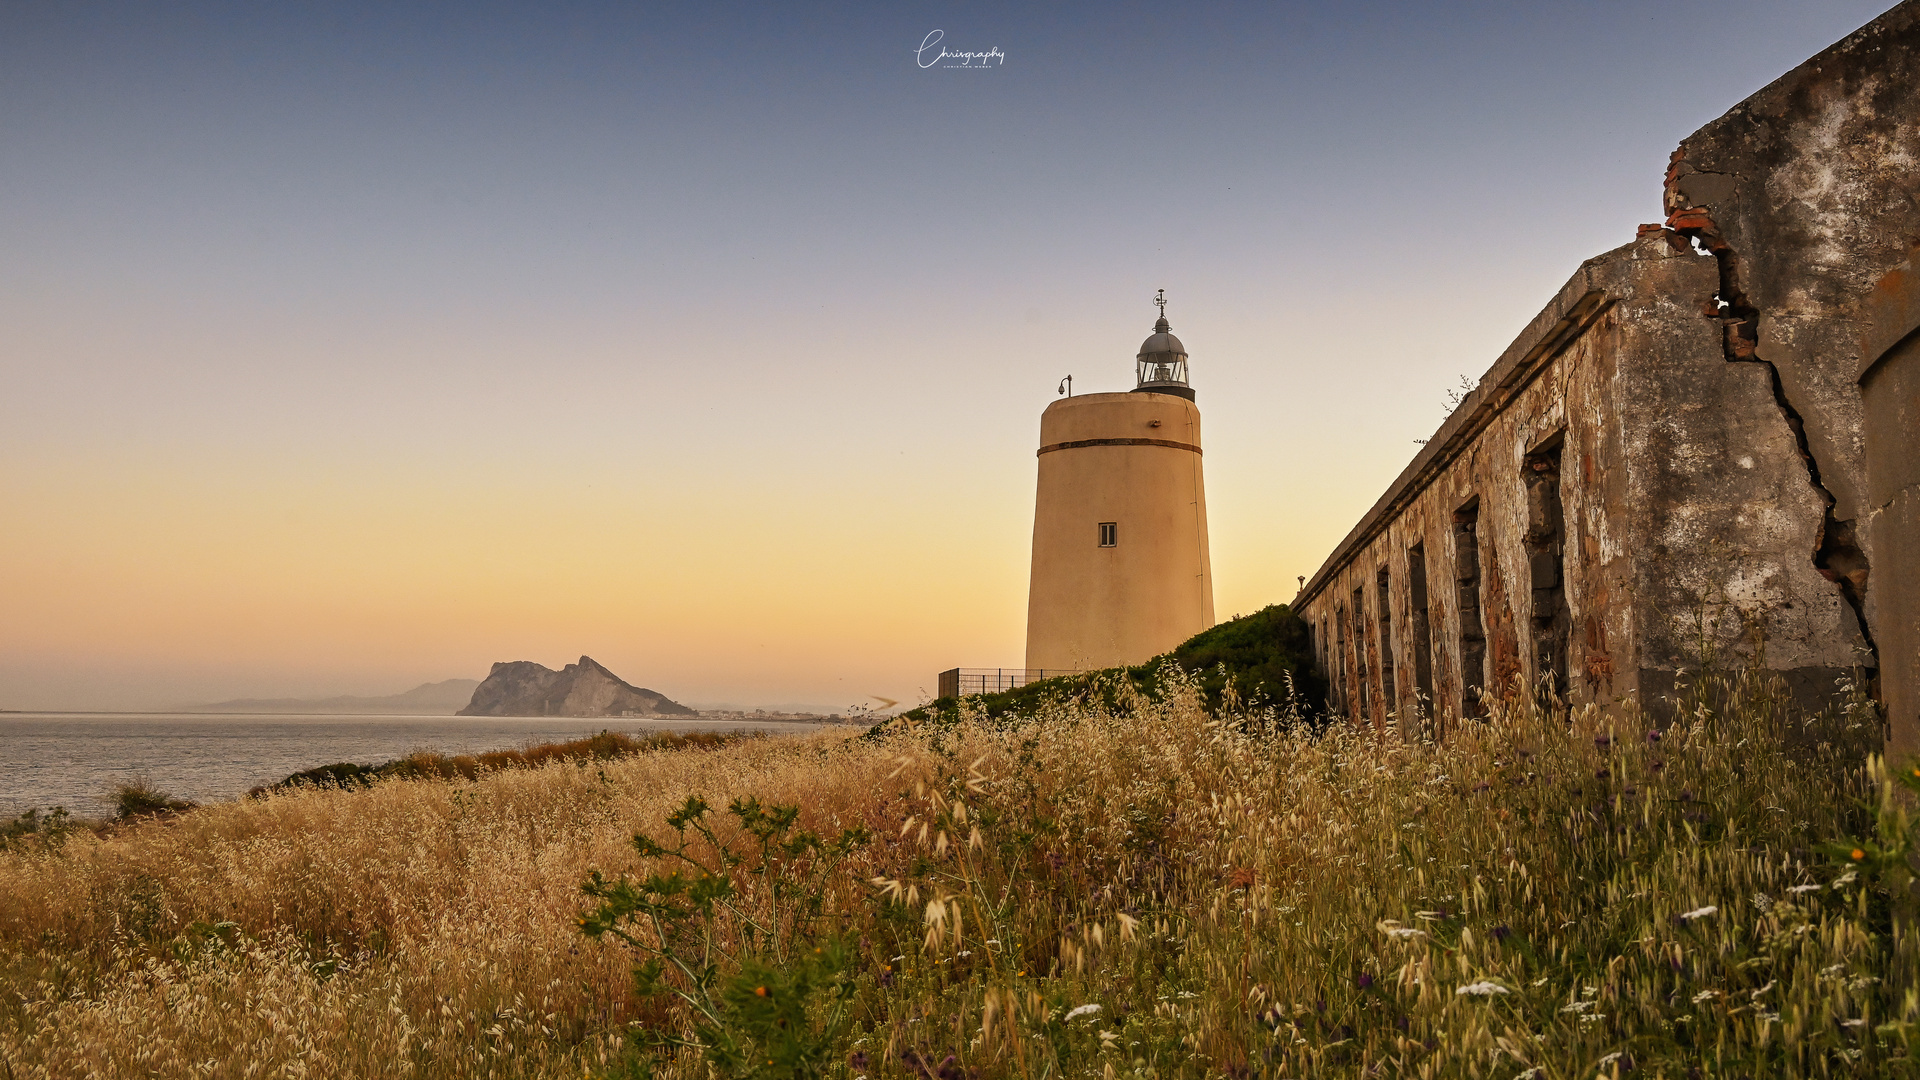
point(733, 932)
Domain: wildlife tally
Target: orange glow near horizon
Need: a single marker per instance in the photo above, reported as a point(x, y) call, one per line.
point(702, 594)
point(281, 576)
point(343, 354)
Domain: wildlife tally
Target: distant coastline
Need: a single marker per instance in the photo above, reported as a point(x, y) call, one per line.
point(198, 711)
point(442, 698)
point(78, 759)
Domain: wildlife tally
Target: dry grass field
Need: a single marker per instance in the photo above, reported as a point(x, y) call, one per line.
point(1144, 891)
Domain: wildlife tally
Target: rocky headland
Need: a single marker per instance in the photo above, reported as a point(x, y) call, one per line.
point(525, 688)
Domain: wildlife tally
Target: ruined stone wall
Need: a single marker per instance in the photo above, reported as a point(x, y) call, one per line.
point(1808, 193)
point(1520, 514)
point(1615, 504)
point(1706, 448)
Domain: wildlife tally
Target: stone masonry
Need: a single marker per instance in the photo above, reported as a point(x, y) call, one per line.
point(1707, 444)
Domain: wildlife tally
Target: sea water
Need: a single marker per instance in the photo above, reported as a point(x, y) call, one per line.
point(76, 760)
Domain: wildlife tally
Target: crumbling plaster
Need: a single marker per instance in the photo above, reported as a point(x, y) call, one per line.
point(1680, 485)
point(1740, 477)
point(1807, 193)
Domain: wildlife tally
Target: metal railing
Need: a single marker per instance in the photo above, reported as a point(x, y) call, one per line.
point(959, 682)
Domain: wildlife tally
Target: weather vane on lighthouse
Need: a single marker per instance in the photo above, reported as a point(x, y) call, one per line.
point(1161, 299)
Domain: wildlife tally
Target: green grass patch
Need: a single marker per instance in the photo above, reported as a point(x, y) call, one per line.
point(1247, 663)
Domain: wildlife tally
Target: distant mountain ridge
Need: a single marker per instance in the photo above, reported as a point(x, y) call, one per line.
point(525, 688)
point(444, 698)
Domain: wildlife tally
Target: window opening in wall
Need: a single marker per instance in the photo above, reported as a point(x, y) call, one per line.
point(1546, 545)
point(1383, 612)
point(1473, 634)
point(1362, 701)
point(1339, 659)
point(1325, 657)
point(1109, 534)
point(1422, 627)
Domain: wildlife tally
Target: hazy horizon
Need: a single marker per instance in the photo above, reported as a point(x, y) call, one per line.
point(226, 705)
point(350, 346)
point(231, 705)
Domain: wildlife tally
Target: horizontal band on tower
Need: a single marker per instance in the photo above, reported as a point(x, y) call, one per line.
point(1116, 442)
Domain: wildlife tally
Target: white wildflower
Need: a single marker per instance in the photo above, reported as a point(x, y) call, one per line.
point(1798, 889)
point(1483, 988)
point(1701, 912)
point(1853, 1023)
point(1771, 983)
point(1763, 902)
point(1845, 879)
point(1705, 995)
point(1592, 1018)
point(1611, 1058)
point(1577, 1007)
point(1082, 1010)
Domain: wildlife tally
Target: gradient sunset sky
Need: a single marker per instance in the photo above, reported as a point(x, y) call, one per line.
point(349, 347)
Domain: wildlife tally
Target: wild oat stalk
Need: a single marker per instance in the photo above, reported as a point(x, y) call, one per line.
point(1120, 886)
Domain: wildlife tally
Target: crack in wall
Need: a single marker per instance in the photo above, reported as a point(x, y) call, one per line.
point(1837, 554)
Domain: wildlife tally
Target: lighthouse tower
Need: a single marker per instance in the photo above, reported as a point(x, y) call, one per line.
point(1120, 565)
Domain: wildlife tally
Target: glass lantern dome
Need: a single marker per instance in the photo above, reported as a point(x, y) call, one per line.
point(1162, 364)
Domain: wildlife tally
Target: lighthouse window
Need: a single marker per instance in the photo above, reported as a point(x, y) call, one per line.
point(1109, 533)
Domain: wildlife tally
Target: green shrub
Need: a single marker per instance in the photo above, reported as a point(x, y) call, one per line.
point(139, 798)
point(36, 829)
point(1242, 666)
point(734, 939)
